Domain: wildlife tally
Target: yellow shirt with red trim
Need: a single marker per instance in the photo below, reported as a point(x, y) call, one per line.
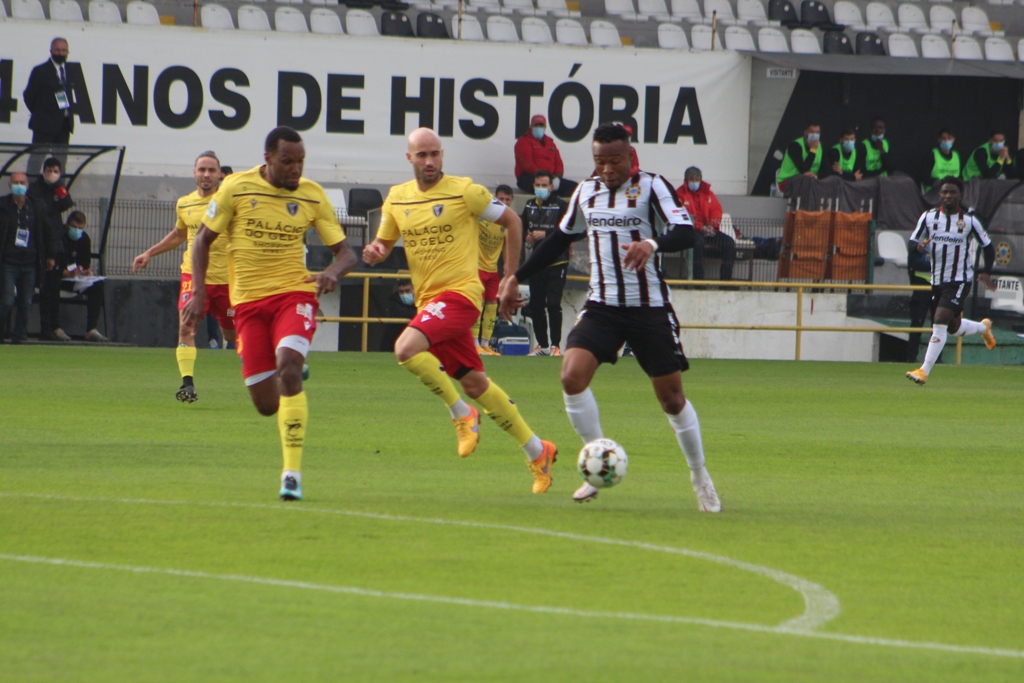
point(492, 240)
point(190, 210)
point(442, 234)
point(264, 227)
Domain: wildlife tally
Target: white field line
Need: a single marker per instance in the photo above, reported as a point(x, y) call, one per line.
point(537, 609)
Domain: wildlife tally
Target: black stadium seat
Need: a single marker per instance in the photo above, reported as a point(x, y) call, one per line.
point(784, 12)
point(430, 25)
point(814, 14)
point(362, 199)
point(836, 43)
point(359, 4)
point(869, 44)
point(394, 5)
point(395, 24)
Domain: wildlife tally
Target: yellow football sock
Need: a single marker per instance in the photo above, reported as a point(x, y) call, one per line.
point(292, 416)
point(477, 328)
point(500, 408)
point(186, 356)
point(490, 316)
point(427, 367)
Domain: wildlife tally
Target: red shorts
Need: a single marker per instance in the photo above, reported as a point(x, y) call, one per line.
point(217, 301)
point(448, 323)
point(285, 320)
point(490, 282)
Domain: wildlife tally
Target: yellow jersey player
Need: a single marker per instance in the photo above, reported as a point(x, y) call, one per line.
point(262, 215)
point(492, 241)
point(437, 215)
point(190, 210)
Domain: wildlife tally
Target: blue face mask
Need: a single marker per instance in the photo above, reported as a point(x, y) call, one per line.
point(694, 187)
point(876, 138)
point(541, 193)
point(538, 132)
point(75, 234)
point(848, 145)
point(19, 190)
point(946, 145)
point(406, 298)
point(998, 146)
point(813, 137)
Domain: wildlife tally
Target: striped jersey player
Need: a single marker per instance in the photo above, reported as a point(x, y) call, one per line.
point(628, 217)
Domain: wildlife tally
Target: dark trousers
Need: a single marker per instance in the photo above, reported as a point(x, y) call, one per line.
point(565, 187)
point(49, 302)
point(93, 303)
point(19, 283)
point(719, 242)
point(920, 304)
point(546, 303)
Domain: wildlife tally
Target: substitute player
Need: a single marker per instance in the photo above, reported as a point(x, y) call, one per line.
point(945, 234)
point(190, 210)
point(492, 241)
point(437, 215)
point(262, 215)
point(629, 301)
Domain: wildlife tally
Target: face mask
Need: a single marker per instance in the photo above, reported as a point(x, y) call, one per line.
point(541, 193)
point(946, 145)
point(75, 234)
point(694, 187)
point(813, 137)
point(876, 138)
point(51, 179)
point(998, 146)
point(848, 145)
point(19, 190)
point(406, 298)
point(538, 132)
point(59, 59)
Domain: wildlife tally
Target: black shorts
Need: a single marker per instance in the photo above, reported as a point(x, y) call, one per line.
point(950, 295)
point(652, 333)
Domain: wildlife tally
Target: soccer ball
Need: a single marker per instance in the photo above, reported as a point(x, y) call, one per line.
point(602, 463)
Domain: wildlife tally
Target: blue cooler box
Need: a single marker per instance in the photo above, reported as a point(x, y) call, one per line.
point(514, 346)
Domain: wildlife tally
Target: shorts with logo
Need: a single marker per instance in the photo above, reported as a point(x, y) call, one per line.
point(447, 322)
point(263, 324)
point(490, 282)
point(950, 295)
point(652, 333)
point(217, 301)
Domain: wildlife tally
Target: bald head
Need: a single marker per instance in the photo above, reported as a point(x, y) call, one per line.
point(426, 156)
point(19, 178)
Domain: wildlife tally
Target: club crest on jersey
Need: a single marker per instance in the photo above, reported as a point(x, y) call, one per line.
point(961, 225)
point(407, 212)
point(184, 297)
point(293, 208)
point(252, 203)
point(633, 191)
point(438, 210)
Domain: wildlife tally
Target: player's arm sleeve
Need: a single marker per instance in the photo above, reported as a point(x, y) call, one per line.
point(990, 257)
point(545, 253)
point(920, 233)
point(679, 233)
point(573, 222)
point(482, 203)
point(220, 210)
point(388, 229)
point(326, 223)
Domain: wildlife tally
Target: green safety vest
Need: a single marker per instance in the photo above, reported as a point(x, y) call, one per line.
point(942, 167)
point(789, 169)
point(971, 170)
point(873, 160)
point(846, 165)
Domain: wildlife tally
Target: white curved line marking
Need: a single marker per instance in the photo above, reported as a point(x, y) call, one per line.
point(538, 609)
point(820, 606)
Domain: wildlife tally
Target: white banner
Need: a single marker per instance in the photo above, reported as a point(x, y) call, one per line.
point(169, 93)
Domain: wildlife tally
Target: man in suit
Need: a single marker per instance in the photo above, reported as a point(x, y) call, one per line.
point(49, 97)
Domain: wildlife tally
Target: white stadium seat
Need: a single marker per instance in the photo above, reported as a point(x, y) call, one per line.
point(998, 50)
point(879, 16)
point(604, 34)
point(536, 31)
point(325, 3)
point(912, 19)
point(141, 13)
point(252, 18)
point(289, 20)
point(975, 20)
point(672, 37)
point(688, 11)
point(359, 22)
point(701, 38)
point(902, 45)
point(771, 39)
point(725, 16)
point(653, 9)
point(471, 28)
point(556, 7)
point(846, 13)
point(934, 47)
point(804, 42)
point(501, 30)
point(739, 38)
point(752, 12)
point(892, 247)
point(943, 18)
point(65, 10)
point(104, 12)
point(966, 47)
point(623, 9)
point(27, 9)
point(523, 7)
point(325, 22)
point(215, 16)
point(570, 32)
point(488, 6)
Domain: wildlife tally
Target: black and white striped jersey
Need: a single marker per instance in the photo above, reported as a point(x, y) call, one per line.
point(631, 213)
point(948, 237)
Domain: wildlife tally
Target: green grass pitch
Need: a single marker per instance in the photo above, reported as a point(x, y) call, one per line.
point(142, 539)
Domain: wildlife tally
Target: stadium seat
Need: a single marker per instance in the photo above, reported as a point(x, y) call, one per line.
point(998, 50)
point(943, 18)
point(536, 31)
point(892, 248)
point(975, 20)
point(3, 11)
point(848, 14)
point(488, 6)
point(216, 16)
point(289, 20)
point(672, 37)
point(738, 38)
point(27, 9)
point(902, 45)
point(430, 25)
point(325, 22)
point(65, 10)
point(363, 199)
point(783, 12)
point(570, 32)
point(934, 47)
point(870, 44)
point(252, 18)
point(814, 14)
point(522, 7)
point(557, 8)
point(702, 37)
point(623, 9)
point(771, 39)
point(912, 20)
point(720, 11)
point(654, 10)
point(804, 42)
point(396, 24)
point(686, 10)
point(104, 12)
point(878, 17)
point(359, 22)
point(604, 34)
point(141, 13)
point(321, 3)
point(752, 12)
point(836, 43)
point(501, 30)
point(966, 47)
point(471, 28)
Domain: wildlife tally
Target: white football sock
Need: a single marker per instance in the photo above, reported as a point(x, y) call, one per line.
point(292, 473)
point(968, 327)
point(687, 429)
point(935, 344)
point(459, 409)
point(583, 414)
point(533, 448)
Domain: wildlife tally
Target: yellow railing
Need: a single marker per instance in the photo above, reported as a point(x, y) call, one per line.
point(799, 328)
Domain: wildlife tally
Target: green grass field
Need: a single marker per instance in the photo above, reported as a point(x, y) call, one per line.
point(142, 539)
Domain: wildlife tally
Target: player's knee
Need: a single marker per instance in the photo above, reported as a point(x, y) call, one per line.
point(290, 377)
point(265, 406)
point(572, 383)
point(673, 405)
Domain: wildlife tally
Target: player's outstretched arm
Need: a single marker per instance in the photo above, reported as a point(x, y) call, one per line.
point(192, 313)
point(344, 261)
point(171, 241)
point(377, 250)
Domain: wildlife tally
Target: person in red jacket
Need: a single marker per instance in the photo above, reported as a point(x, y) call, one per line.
point(535, 151)
point(706, 211)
